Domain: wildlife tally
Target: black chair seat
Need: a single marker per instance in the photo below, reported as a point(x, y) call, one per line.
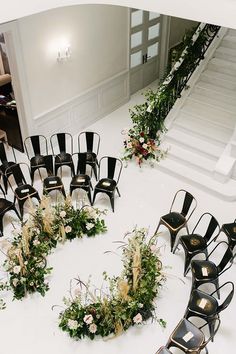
point(193, 242)
point(51, 182)
point(5, 205)
point(202, 303)
point(204, 270)
point(106, 185)
point(80, 180)
point(230, 230)
point(174, 219)
point(91, 157)
point(24, 190)
point(63, 158)
point(37, 161)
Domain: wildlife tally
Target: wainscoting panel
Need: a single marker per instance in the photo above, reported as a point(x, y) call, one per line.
point(81, 111)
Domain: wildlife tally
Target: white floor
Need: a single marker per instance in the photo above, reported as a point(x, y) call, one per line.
point(30, 326)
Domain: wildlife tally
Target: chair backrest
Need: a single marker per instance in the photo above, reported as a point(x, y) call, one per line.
point(110, 167)
point(48, 160)
point(61, 143)
point(89, 142)
point(209, 224)
point(36, 145)
point(228, 298)
point(185, 201)
point(3, 154)
point(227, 256)
point(16, 171)
point(81, 162)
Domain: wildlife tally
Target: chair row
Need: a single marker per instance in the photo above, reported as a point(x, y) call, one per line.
point(186, 336)
point(109, 174)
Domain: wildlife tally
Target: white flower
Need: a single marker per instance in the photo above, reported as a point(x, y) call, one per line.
point(72, 324)
point(140, 305)
point(88, 319)
point(138, 318)
point(149, 109)
point(36, 242)
point(145, 146)
point(68, 229)
point(93, 328)
point(77, 292)
point(26, 262)
point(129, 146)
point(16, 269)
point(15, 282)
point(89, 226)
point(141, 139)
point(62, 214)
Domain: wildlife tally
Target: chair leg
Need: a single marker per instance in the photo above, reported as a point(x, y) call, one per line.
point(172, 239)
point(63, 192)
point(94, 167)
point(5, 178)
point(94, 195)
point(21, 207)
point(89, 196)
point(157, 227)
point(216, 283)
point(118, 191)
point(1, 225)
point(176, 246)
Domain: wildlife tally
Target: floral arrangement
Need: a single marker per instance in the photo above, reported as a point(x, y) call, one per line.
point(140, 146)
point(143, 140)
point(129, 299)
point(47, 225)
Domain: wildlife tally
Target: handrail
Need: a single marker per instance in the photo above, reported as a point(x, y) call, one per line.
point(177, 79)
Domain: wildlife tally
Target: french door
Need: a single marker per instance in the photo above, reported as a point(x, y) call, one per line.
point(145, 34)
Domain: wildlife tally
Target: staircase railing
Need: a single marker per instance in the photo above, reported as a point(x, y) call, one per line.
point(149, 117)
point(177, 79)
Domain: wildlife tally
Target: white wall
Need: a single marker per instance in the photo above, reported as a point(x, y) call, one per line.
point(178, 28)
point(98, 36)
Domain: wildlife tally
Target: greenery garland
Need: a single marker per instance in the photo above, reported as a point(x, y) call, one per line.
point(130, 299)
point(47, 225)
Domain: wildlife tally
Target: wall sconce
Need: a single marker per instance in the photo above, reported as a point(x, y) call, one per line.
point(63, 54)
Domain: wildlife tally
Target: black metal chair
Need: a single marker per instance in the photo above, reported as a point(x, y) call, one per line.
point(36, 148)
point(81, 179)
point(206, 271)
point(52, 182)
point(5, 163)
point(230, 231)
point(195, 243)
point(189, 338)
point(23, 190)
point(62, 149)
point(206, 306)
point(89, 142)
point(177, 220)
point(110, 168)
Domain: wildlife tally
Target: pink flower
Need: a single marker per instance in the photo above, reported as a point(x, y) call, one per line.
point(88, 319)
point(68, 229)
point(93, 328)
point(153, 248)
point(138, 318)
point(62, 214)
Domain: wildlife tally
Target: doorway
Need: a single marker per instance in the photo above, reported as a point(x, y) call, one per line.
point(145, 35)
point(9, 120)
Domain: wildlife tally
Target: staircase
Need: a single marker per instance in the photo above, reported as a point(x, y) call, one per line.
point(205, 123)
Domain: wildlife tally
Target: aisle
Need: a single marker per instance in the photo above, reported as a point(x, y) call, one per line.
point(30, 326)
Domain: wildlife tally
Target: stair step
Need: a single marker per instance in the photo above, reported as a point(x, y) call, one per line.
point(209, 113)
point(219, 79)
point(231, 32)
point(229, 42)
point(222, 66)
point(226, 191)
point(226, 53)
point(204, 129)
point(222, 92)
point(193, 143)
point(199, 95)
point(190, 158)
